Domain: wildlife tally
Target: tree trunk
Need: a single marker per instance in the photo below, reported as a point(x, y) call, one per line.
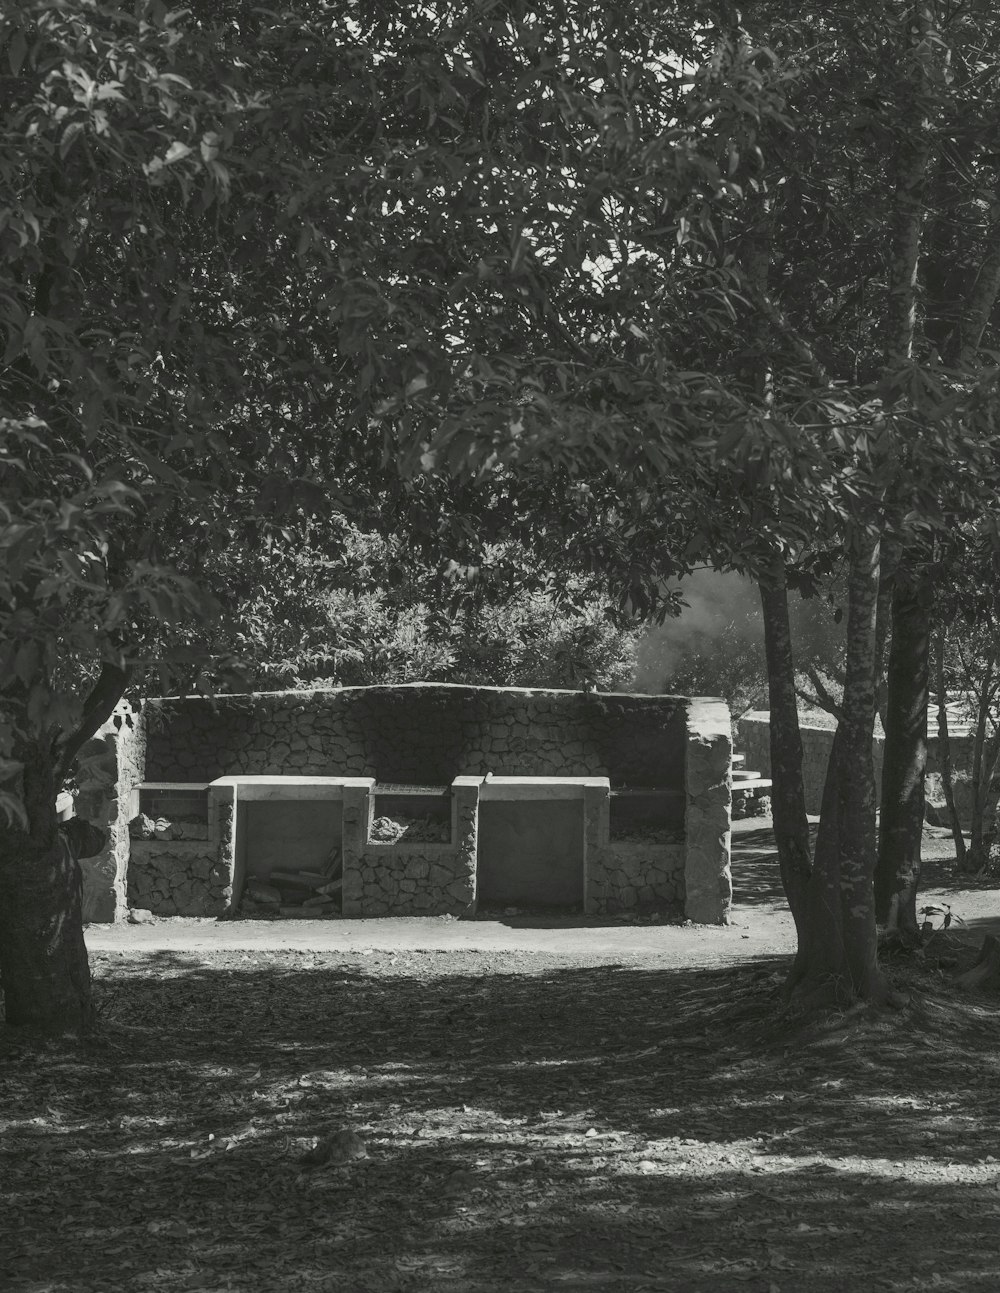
point(44, 970)
point(897, 872)
point(944, 750)
point(883, 622)
point(840, 960)
point(991, 807)
point(982, 770)
point(788, 801)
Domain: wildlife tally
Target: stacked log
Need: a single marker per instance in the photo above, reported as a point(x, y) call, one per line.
point(298, 894)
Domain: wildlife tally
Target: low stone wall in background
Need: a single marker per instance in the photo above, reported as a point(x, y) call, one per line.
point(817, 742)
point(186, 869)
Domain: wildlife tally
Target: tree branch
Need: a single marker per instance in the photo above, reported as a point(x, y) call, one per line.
point(105, 694)
point(788, 331)
point(913, 157)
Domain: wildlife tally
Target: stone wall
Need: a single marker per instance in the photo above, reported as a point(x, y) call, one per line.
point(418, 733)
point(817, 741)
point(190, 870)
point(754, 741)
point(177, 878)
point(416, 879)
point(708, 885)
point(625, 876)
point(642, 878)
point(429, 735)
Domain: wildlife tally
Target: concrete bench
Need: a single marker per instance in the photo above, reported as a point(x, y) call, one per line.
point(741, 786)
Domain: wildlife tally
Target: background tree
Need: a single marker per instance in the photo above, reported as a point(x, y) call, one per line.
point(364, 609)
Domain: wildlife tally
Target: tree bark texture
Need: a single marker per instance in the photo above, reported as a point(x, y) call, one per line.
point(985, 759)
point(944, 749)
point(44, 971)
point(897, 872)
point(912, 161)
point(840, 960)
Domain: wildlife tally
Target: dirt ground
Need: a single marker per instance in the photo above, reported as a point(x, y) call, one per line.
point(594, 1115)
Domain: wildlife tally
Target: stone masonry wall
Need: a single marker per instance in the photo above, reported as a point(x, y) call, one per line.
point(176, 878)
point(189, 872)
point(624, 876)
point(754, 741)
point(708, 885)
point(817, 743)
point(400, 881)
point(426, 734)
point(418, 879)
point(106, 798)
point(641, 878)
point(418, 734)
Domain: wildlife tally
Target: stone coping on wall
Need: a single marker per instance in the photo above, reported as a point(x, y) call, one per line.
point(304, 693)
point(276, 787)
point(540, 787)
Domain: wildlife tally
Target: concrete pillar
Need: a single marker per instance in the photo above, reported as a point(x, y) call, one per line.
point(596, 832)
point(708, 757)
point(465, 833)
point(358, 807)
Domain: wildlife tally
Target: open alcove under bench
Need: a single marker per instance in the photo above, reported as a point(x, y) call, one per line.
point(438, 799)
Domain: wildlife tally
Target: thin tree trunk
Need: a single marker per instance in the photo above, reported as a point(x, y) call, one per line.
point(989, 830)
point(44, 970)
point(912, 160)
point(883, 622)
point(944, 750)
point(105, 694)
point(982, 770)
point(897, 873)
point(788, 800)
point(841, 961)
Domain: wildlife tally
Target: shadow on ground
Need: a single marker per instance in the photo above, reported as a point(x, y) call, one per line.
point(529, 1125)
point(756, 878)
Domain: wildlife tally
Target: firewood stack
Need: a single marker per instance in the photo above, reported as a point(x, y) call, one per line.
point(302, 895)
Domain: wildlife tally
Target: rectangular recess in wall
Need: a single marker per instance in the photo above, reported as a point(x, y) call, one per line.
point(423, 811)
point(288, 824)
point(531, 846)
point(289, 834)
point(647, 816)
point(176, 801)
